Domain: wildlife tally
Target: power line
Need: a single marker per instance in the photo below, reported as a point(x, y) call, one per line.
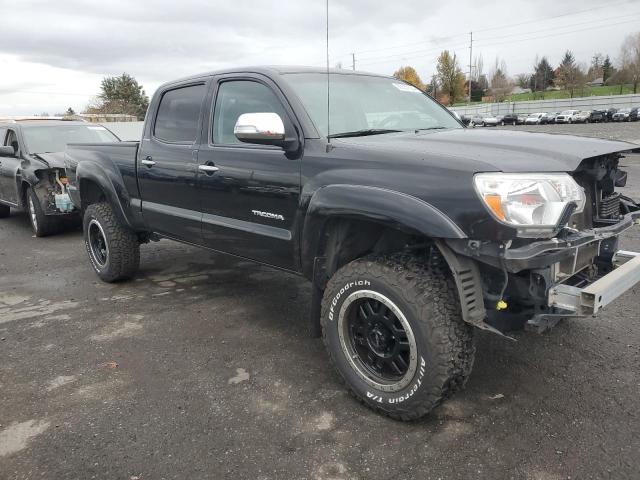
point(559, 33)
point(564, 26)
point(519, 38)
point(495, 27)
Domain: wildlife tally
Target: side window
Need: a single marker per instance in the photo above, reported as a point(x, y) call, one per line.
point(3, 134)
point(237, 97)
point(12, 141)
point(178, 114)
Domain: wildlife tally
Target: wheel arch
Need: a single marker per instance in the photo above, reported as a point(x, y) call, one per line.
point(366, 216)
point(97, 184)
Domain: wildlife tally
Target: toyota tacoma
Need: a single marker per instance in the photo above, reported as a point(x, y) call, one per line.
point(413, 230)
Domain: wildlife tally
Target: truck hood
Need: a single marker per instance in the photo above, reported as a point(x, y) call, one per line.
point(53, 160)
point(482, 150)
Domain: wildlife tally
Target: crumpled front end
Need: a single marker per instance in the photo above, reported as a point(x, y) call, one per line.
point(536, 282)
point(52, 190)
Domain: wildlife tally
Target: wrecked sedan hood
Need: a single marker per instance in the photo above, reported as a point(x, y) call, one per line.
point(482, 150)
point(53, 160)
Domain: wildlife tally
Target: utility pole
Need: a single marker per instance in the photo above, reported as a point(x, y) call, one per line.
point(470, 63)
point(353, 61)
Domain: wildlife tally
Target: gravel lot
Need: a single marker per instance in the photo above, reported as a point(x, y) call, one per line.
point(200, 368)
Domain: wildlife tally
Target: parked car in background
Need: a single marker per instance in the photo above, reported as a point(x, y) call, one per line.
point(626, 115)
point(32, 175)
point(609, 114)
point(583, 116)
point(534, 119)
point(483, 121)
point(465, 119)
point(509, 119)
point(566, 116)
point(598, 116)
point(549, 117)
point(522, 118)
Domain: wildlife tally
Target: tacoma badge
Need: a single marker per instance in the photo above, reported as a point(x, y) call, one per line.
point(275, 216)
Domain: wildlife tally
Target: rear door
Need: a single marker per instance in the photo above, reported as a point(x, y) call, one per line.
point(249, 202)
point(167, 162)
point(8, 168)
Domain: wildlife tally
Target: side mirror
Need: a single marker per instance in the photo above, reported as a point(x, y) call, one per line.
point(7, 152)
point(260, 128)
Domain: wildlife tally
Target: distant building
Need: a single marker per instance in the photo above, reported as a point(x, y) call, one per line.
point(105, 117)
point(516, 90)
point(596, 82)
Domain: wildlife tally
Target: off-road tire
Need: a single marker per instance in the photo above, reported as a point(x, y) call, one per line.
point(123, 248)
point(5, 211)
point(426, 295)
point(42, 225)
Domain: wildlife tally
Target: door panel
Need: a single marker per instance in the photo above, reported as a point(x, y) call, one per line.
point(167, 165)
point(8, 168)
point(249, 204)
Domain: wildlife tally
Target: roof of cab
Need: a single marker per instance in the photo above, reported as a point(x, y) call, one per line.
point(273, 70)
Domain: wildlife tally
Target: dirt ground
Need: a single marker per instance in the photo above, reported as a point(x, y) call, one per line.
point(201, 368)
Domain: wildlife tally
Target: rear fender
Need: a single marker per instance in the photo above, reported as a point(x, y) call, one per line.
point(108, 178)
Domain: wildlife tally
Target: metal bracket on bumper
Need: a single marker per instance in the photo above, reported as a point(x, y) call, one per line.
point(591, 299)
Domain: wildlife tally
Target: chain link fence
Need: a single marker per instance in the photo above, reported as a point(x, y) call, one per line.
point(555, 105)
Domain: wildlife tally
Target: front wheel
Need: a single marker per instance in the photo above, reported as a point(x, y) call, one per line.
point(42, 225)
point(113, 248)
point(394, 332)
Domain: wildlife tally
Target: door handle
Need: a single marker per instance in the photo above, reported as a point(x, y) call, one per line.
point(208, 169)
point(148, 161)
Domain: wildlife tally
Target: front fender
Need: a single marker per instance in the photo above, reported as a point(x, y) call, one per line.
point(387, 207)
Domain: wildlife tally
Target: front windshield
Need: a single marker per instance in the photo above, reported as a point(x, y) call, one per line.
point(367, 103)
point(54, 138)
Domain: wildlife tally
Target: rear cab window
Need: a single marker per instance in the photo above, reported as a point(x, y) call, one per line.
point(178, 114)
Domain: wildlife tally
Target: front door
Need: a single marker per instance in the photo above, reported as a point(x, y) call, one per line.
point(8, 168)
point(250, 197)
point(167, 163)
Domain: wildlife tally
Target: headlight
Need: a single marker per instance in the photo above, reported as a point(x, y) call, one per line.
point(531, 202)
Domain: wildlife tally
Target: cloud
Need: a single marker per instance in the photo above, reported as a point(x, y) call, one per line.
point(71, 44)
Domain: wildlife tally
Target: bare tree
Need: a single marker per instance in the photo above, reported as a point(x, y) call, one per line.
point(630, 59)
point(522, 79)
point(500, 85)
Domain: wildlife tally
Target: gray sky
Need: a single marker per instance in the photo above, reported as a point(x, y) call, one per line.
point(53, 54)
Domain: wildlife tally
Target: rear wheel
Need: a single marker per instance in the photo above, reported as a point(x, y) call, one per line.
point(42, 225)
point(113, 248)
point(394, 332)
point(5, 211)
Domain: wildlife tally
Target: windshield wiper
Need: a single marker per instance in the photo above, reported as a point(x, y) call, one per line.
point(363, 133)
point(430, 128)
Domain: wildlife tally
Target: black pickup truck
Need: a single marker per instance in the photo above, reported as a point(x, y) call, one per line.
point(413, 230)
point(32, 174)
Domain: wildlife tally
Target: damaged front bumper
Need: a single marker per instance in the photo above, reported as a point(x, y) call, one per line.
point(591, 299)
point(574, 275)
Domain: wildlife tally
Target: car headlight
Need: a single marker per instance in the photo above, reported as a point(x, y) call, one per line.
point(531, 202)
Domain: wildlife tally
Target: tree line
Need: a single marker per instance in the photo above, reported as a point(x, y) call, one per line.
point(450, 84)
